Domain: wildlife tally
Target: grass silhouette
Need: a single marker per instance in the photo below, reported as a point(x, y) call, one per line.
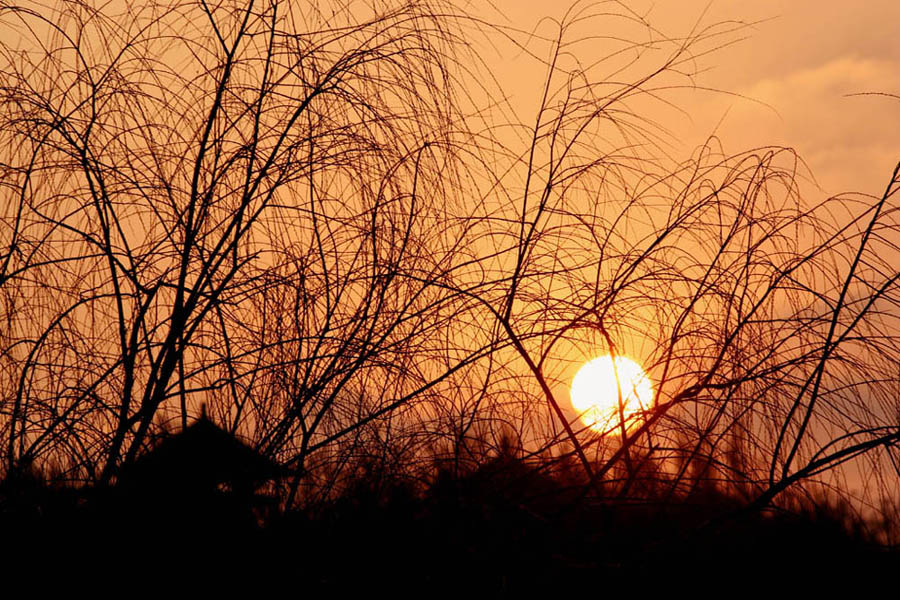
point(506, 524)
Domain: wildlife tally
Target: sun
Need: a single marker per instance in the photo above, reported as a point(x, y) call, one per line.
point(598, 386)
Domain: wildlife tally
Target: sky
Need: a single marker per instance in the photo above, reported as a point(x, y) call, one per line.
point(789, 74)
point(789, 79)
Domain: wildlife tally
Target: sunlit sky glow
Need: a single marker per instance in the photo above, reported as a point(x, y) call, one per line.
point(790, 79)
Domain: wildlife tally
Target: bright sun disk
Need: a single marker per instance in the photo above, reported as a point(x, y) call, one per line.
point(598, 385)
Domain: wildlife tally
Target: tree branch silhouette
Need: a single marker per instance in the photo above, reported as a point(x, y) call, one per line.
point(329, 226)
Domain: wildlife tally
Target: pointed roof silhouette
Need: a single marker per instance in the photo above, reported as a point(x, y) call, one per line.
point(201, 456)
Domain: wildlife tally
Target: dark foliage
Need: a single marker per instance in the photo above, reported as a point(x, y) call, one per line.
point(508, 526)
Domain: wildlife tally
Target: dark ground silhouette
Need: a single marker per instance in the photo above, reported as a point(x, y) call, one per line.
point(505, 526)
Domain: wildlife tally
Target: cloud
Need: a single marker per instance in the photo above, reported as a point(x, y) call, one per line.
point(851, 142)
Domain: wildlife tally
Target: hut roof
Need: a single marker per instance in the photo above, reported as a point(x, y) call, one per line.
point(201, 456)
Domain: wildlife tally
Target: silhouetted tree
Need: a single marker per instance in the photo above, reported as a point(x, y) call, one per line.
point(259, 212)
point(325, 223)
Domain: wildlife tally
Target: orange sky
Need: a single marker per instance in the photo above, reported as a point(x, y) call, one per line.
point(802, 62)
point(788, 75)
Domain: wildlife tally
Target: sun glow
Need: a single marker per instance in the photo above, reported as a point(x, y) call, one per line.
point(607, 389)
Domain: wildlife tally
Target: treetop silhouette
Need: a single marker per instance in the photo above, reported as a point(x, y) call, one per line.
point(327, 224)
